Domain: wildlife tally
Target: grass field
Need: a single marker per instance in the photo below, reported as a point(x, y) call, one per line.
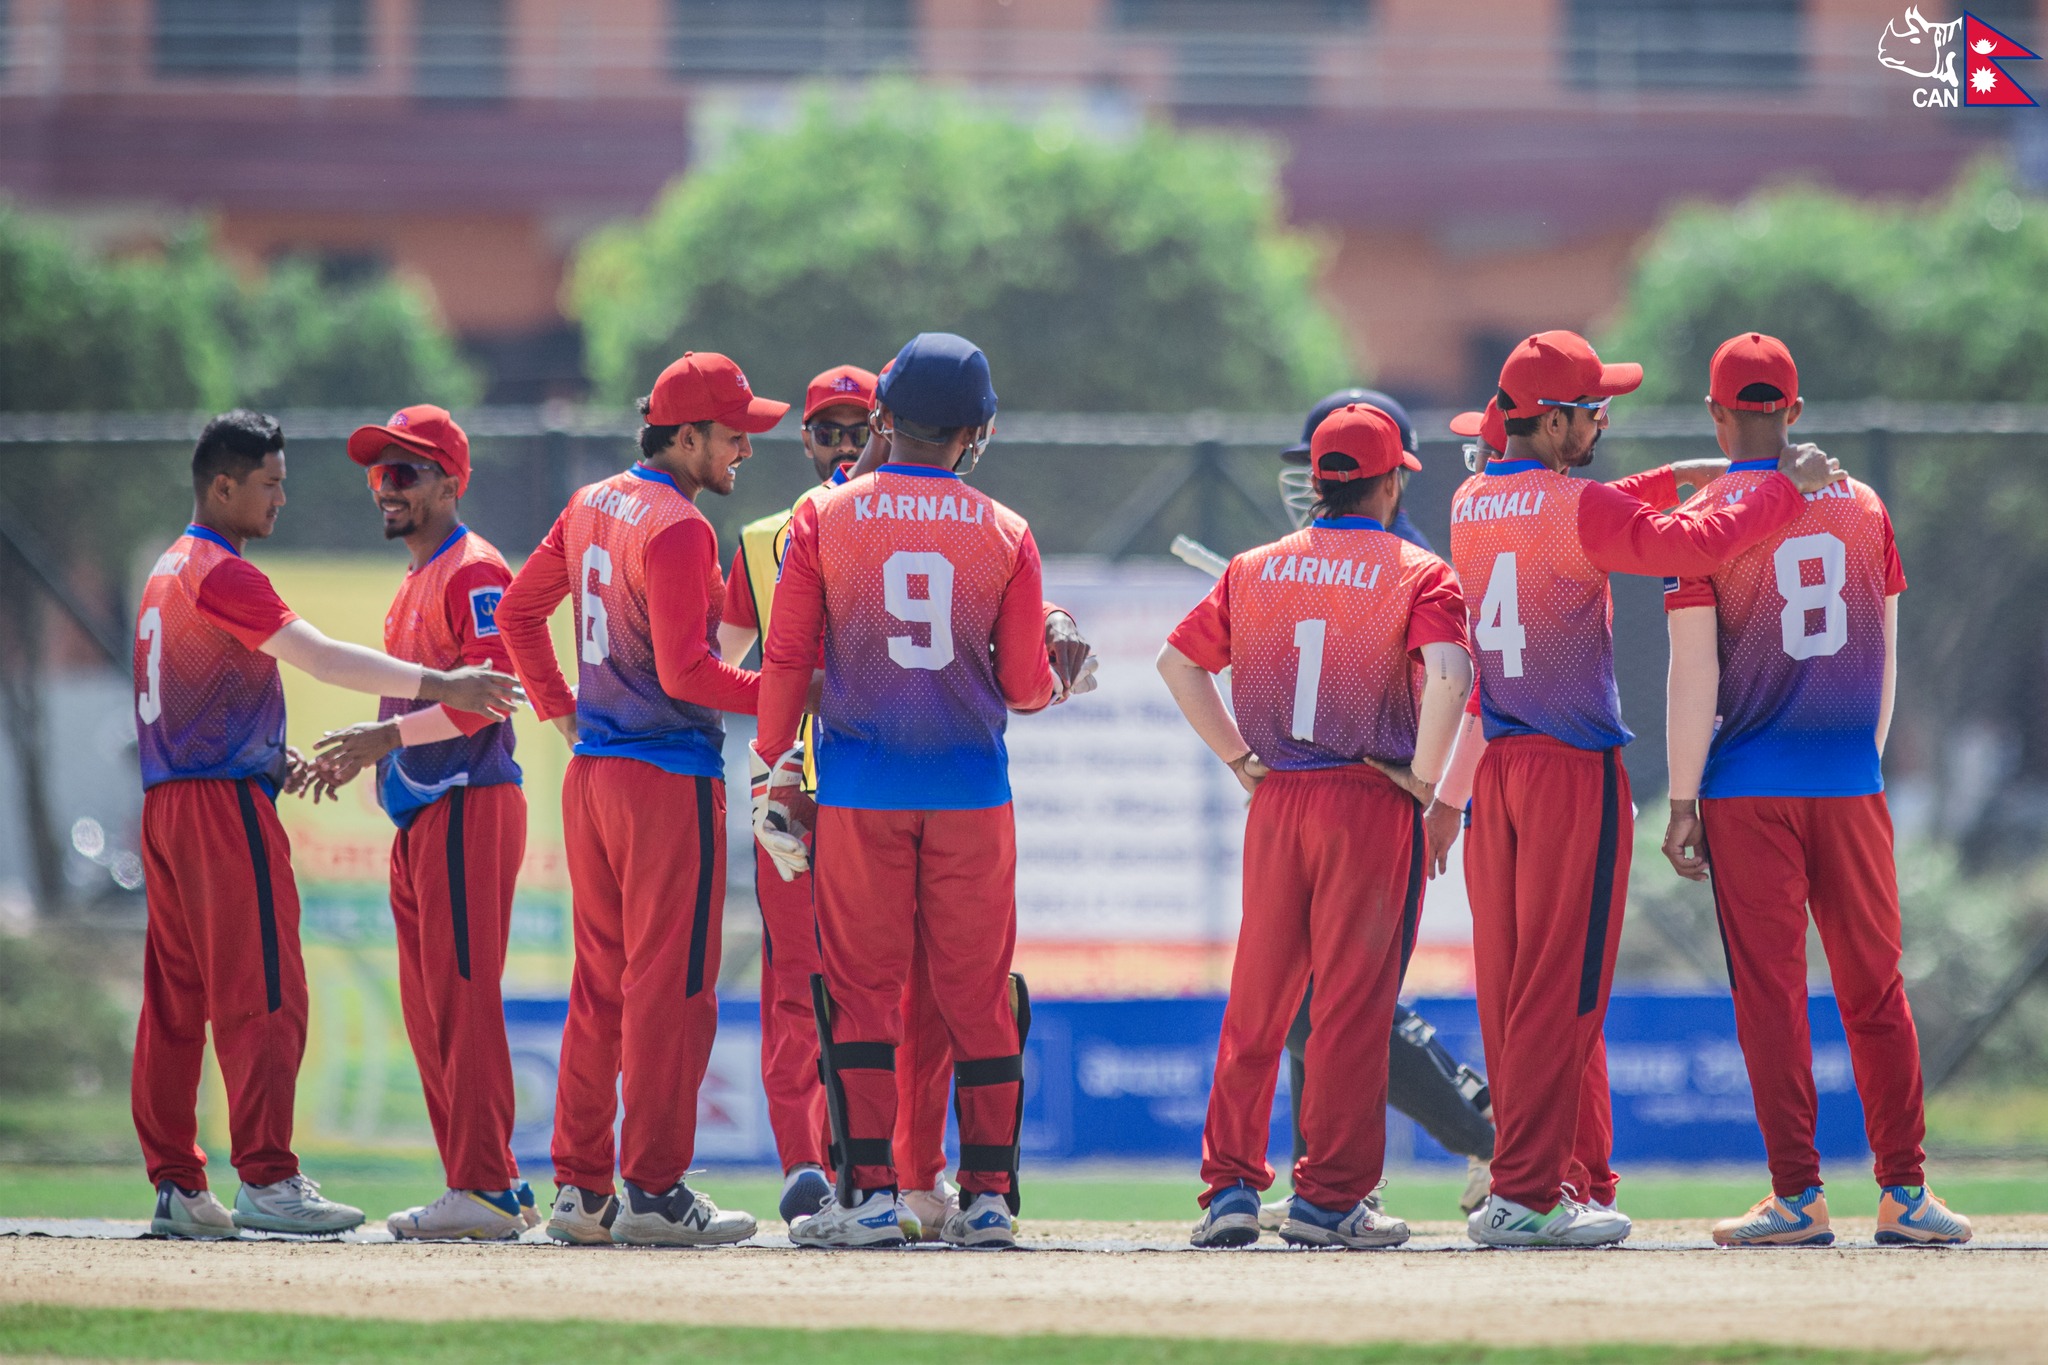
point(234, 1338)
point(380, 1184)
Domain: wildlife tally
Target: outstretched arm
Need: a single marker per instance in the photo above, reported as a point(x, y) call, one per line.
point(542, 583)
point(1692, 691)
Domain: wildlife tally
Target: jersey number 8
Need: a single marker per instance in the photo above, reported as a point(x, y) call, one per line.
point(1802, 597)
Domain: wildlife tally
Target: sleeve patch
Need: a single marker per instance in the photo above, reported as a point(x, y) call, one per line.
point(483, 608)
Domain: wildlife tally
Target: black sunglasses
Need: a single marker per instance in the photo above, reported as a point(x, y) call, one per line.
point(827, 434)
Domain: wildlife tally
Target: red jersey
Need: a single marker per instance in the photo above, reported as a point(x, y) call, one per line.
point(446, 616)
point(926, 593)
point(1800, 617)
point(208, 701)
point(1322, 632)
point(648, 597)
point(1534, 546)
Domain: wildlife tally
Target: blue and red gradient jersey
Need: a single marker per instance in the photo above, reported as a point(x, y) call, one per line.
point(1800, 617)
point(208, 701)
point(1323, 633)
point(926, 595)
point(446, 616)
point(640, 564)
point(1533, 548)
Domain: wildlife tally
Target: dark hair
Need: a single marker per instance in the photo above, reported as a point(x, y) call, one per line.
point(1340, 498)
point(235, 444)
point(655, 439)
point(1760, 393)
point(1522, 426)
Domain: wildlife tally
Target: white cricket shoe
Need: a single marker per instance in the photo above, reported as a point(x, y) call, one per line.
point(582, 1217)
point(1478, 1183)
point(1272, 1215)
point(1504, 1223)
point(1363, 1227)
point(984, 1222)
point(929, 1210)
point(295, 1205)
point(677, 1217)
point(190, 1213)
point(870, 1223)
point(461, 1216)
point(803, 1190)
point(1232, 1219)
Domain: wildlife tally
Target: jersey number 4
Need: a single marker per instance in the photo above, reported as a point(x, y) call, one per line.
point(934, 609)
point(1802, 597)
point(1500, 616)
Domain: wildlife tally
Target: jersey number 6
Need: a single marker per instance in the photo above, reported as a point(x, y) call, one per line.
point(934, 609)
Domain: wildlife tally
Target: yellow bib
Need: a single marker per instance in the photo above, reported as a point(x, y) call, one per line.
point(763, 542)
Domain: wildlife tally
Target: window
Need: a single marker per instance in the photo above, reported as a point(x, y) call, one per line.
point(1684, 44)
point(459, 55)
point(259, 38)
point(778, 38)
point(1232, 52)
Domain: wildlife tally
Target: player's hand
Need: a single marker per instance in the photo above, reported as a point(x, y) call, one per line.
point(1404, 777)
point(1810, 468)
point(474, 688)
point(781, 811)
point(346, 752)
point(1072, 657)
point(307, 777)
point(1685, 841)
point(566, 725)
point(1440, 825)
point(1697, 474)
point(1249, 771)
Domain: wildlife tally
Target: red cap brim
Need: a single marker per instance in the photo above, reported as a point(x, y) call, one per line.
point(1408, 460)
point(759, 415)
point(1618, 379)
point(366, 444)
point(1468, 424)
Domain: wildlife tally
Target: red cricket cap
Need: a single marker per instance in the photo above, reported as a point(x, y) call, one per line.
point(1752, 358)
point(840, 384)
point(705, 386)
point(1561, 366)
point(1490, 427)
point(423, 429)
point(1364, 433)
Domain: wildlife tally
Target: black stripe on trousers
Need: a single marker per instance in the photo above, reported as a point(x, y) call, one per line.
point(1603, 885)
point(1411, 907)
point(707, 866)
point(1720, 911)
point(458, 883)
point(266, 903)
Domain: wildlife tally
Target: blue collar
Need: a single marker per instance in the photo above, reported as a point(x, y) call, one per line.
point(1750, 466)
point(838, 475)
point(918, 471)
point(199, 532)
point(1346, 524)
point(641, 471)
point(1496, 467)
point(458, 533)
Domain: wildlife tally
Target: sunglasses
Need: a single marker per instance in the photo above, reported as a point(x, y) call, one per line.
point(1584, 404)
point(398, 477)
point(828, 434)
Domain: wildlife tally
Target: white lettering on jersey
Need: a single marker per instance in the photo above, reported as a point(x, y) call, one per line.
point(168, 563)
point(1345, 573)
point(910, 507)
point(1493, 506)
point(614, 503)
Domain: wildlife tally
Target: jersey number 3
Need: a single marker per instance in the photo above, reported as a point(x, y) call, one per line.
point(150, 631)
point(1500, 616)
point(1802, 597)
point(934, 609)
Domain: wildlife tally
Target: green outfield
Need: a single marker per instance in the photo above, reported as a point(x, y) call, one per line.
point(293, 1339)
point(380, 1184)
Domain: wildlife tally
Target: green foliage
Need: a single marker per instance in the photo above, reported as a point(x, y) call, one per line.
point(307, 345)
point(58, 1029)
point(1146, 274)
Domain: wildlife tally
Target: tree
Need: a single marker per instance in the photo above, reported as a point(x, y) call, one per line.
point(1143, 274)
point(1937, 301)
point(173, 330)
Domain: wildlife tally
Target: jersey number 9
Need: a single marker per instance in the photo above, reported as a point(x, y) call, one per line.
point(934, 609)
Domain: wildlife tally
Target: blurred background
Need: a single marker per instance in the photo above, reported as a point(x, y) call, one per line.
point(1173, 224)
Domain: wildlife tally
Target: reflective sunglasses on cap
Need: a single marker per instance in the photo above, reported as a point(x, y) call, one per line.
point(399, 477)
point(828, 434)
point(1586, 404)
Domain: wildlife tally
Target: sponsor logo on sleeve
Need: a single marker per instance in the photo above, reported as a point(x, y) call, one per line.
point(483, 609)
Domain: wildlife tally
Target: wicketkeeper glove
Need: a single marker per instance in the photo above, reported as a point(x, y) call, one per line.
point(781, 810)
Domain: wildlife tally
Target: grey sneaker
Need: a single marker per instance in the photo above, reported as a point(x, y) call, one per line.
point(190, 1213)
point(293, 1204)
point(677, 1217)
point(461, 1216)
point(582, 1217)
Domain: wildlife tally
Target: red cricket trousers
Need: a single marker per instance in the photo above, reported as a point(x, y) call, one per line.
point(888, 881)
point(1546, 870)
point(222, 948)
point(452, 872)
point(1333, 873)
point(646, 854)
point(789, 1041)
point(1773, 856)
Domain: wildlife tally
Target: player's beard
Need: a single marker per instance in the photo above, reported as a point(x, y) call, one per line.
point(1585, 457)
point(399, 530)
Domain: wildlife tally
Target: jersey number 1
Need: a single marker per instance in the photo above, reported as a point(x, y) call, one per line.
point(1308, 677)
point(1500, 617)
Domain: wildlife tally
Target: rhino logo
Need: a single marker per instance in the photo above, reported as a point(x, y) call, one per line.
point(1925, 52)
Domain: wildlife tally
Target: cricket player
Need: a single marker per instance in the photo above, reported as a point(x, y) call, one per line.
point(222, 946)
point(836, 429)
point(1346, 646)
point(1784, 663)
point(925, 596)
point(643, 803)
point(1546, 864)
point(448, 780)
